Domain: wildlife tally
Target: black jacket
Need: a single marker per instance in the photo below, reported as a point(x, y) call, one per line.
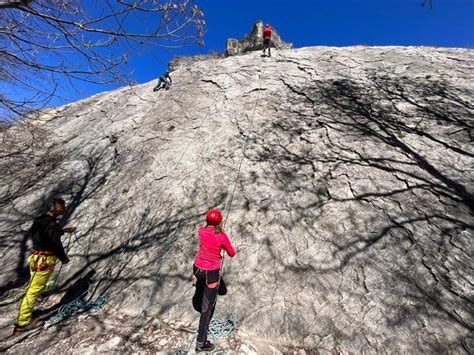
point(47, 234)
point(166, 78)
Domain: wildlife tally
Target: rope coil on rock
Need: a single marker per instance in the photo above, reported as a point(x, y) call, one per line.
point(78, 305)
point(222, 328)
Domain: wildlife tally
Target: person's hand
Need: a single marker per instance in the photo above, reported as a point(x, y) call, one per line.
point(194, 280)
point(66, 261)
point(69, 229)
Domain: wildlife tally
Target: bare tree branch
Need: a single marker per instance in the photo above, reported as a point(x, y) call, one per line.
point(43, 38)
point(13, 3)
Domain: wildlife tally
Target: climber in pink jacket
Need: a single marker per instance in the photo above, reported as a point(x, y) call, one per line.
point(206, 270)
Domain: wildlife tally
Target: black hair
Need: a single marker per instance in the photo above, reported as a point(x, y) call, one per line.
point(54, 202)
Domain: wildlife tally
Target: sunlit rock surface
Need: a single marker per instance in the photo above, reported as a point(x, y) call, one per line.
point(346, 180)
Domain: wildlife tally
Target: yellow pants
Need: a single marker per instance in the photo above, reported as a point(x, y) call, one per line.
point(38, 279)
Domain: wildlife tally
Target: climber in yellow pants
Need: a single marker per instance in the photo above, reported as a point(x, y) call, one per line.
point(41, 266)
point(47, 249)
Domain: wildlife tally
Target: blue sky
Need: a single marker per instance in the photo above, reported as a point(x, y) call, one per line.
point(449, 23)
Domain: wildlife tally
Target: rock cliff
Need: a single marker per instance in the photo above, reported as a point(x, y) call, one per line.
point(345, 176)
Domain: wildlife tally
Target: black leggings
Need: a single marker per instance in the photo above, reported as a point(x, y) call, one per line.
point(204, 298)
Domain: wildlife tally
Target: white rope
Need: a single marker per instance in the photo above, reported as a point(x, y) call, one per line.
point(220, 328)
point(174, 234)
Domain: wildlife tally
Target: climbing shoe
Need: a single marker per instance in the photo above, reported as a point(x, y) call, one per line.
point(26, 328)
point(207, 346)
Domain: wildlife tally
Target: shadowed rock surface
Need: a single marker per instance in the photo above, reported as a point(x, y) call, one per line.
point(346, 180)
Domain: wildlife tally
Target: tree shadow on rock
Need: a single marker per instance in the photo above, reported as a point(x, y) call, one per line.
point(385, 162)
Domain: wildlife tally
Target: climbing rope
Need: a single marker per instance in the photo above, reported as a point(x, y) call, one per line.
point(81, 305)
point(147, 303)
point(170, 175)
point(174, 234)
point(229, 204)
point(116, 259)
point(51, 286)
point(78, 305)
point(221, 328)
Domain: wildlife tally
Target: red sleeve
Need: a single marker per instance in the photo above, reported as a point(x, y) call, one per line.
point(227, 246)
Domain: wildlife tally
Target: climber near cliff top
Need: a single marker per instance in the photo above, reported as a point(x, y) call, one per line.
point(47, 249)
point(164, 82)
point(207, 269)
point(267, 37)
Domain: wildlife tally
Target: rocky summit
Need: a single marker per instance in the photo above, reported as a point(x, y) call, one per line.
point(254, 41)
point(345, 176)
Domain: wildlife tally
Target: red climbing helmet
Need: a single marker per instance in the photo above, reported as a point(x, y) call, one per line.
point(214, 217)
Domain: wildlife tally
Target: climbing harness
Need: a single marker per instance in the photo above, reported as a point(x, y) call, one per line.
point(39, 265)
point(40, 262)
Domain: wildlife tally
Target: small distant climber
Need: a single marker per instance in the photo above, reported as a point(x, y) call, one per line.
point(206, 270)
point(267, 38)
point(47, 249)
point(164, 82)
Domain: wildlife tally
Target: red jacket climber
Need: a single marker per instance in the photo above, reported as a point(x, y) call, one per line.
point(267, 36)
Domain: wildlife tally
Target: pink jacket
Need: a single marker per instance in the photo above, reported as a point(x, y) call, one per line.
point(208, 256)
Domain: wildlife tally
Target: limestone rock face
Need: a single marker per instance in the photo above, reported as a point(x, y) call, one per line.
point(183, 62)
point(232, 47)
point(254, 41)
point(345, 176)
